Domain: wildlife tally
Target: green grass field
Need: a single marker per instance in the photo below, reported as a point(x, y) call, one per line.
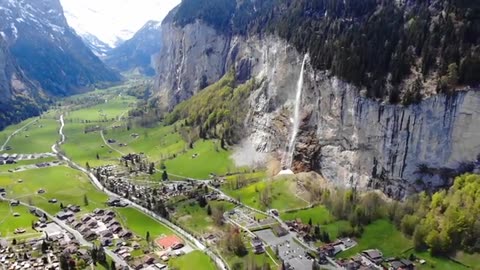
point(318, 215)
point(384, 236)
point(66, 185)
point(104, 112)
point(193, 260)
point(209, 160)
point(83, 148)
point(381, 235)
point(195, 219)
point(158, 142)
point(140, 224)
point(8, 223)
point(37, 137)
point(280, 194)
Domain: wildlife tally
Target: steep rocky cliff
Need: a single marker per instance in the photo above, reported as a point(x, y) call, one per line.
point(348, 138)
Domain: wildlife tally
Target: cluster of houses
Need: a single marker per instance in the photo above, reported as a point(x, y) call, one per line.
point(365, 260)
point(13, 158)
point(100, 225)
point(374, 259)
point(8, 159)
point(41, 253)
point(117, 180)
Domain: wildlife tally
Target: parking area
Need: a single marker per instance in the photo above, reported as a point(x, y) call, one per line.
point(293, 254)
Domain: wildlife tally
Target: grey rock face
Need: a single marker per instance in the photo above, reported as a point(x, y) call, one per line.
point(350, 140)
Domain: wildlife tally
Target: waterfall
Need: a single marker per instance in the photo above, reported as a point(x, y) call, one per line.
point(296, 117)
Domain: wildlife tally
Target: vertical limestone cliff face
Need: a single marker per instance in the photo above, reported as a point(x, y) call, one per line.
point(349, 139)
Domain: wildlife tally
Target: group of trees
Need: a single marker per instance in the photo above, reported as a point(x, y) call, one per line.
point(442, 222)
point(218, 111)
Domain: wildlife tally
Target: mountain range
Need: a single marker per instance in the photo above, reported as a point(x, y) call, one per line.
point(138, 51)
point(44, 57)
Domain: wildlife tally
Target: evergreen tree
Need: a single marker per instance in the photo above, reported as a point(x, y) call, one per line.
point(151, 169)
point(147, 237)
point(64, 262)
point(85, 200)
point(44, 246)
point(202, 202)
point(112, 266)
point(164, 176)
point(209, 210)
point(98, 157)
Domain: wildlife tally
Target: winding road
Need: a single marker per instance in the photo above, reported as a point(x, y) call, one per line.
point(56, 149)
point(2, 148)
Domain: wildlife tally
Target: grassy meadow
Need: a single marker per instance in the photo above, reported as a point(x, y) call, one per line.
point(66, 185)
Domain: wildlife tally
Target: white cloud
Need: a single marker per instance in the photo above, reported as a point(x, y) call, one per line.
point(111, 20)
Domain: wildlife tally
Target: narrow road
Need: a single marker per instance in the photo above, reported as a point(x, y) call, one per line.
point(105, 141)
point(108, 145)
point(55, 148)
point(2, 148)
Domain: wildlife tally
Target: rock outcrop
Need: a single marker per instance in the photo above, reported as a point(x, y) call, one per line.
point(351, 140)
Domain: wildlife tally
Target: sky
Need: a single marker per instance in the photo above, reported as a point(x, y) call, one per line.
point(110, 20)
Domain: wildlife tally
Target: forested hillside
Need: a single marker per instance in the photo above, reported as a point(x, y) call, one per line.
point(216, 112)
point(397, 50)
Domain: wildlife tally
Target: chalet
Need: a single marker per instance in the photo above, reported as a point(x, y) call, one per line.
point(14, 203)
point(110, 213)
point(116, 229)
point(92, 224)
point(402, 264)
point(113, 201)
point(76, 224)
point(106, 234)
point(106, 242)
point(148, 260)
point(107, 219)
point(2, 190)
point(83, 229)
point(99, 212)
point(10, 161)
point(74, 208)
point(374, 255)
point(89, 235)
point(126, 234)
point(36, 212)
point(257, 245)
point(86, 218)
point(113, 223)
point(65, 215)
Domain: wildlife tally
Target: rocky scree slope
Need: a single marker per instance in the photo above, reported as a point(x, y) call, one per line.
point(399, 118)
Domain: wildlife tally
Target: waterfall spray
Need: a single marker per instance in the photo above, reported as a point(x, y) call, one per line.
point(296, 117)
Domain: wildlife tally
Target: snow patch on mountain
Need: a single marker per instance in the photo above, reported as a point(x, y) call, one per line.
point(114, 21)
